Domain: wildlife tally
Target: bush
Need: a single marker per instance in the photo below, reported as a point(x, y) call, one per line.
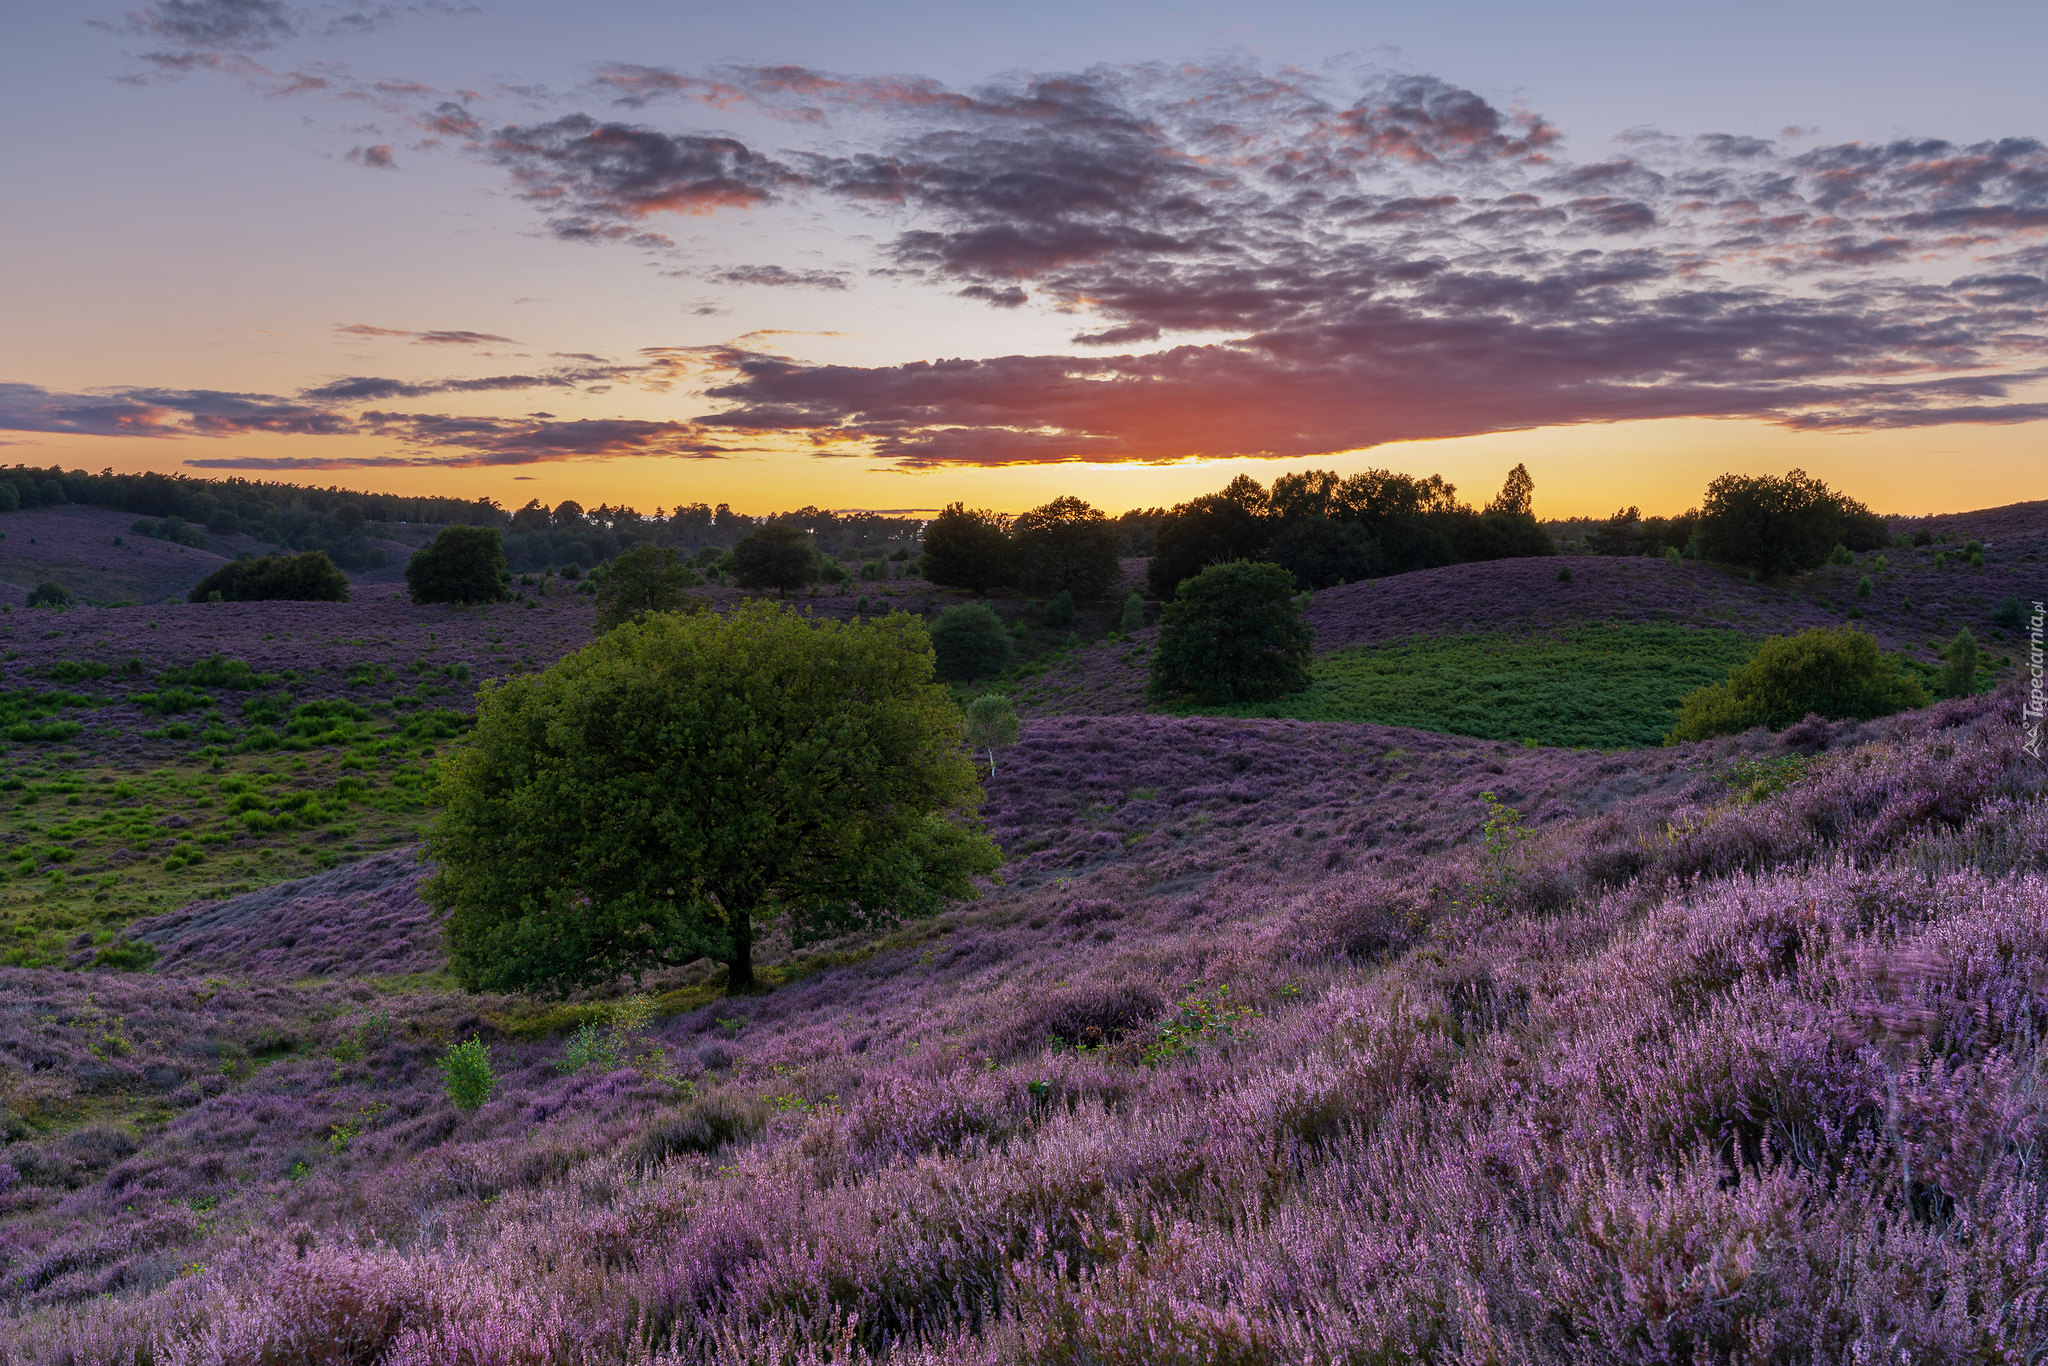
point(647, 578)
point(969, 640)
point(778, 556)
point(1864, 587)
point(646, 800)
point(2011, 613)
point(467, 1075)
point(1833, 672)
point(1779, 525)
point(1233, 524)
point(1059, 613)
point(464, 564)
point(1067, 546)
point(1959, 669)
point(1232, 634)
point(50, 594)
point(1133, 618)
point(311, 577)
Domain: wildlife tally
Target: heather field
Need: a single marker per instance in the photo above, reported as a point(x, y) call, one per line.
point(1276, 1039)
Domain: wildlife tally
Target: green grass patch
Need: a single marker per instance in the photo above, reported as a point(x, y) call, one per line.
point(1603, 686)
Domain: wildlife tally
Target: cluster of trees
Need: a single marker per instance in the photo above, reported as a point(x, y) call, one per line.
point(1326, 530)
point(336, 521)
point(1066, 546)
point(1768, 523)
point(537, 537)
point(311, 577)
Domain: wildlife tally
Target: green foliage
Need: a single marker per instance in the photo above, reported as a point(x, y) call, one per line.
point(646, 800)
point(1202, 1018)
point(1756, 780)
point(1234, 524)
point(1835, 672)
point(126, 955)
point(1864, 587)
point(1066, 546)
point(647, 578)
point(619, 1042)
point(467, 1075)
point(1233, 633)
point(1133, 616)
point(1501, 835)
point(969, 640)
point(778, 556)
point(311, 577)
point(1599, 686)
point(992, 725)
point(1322, 553)
point(969, 549)
point(1840, 555)
point(2010, 614)
point(1564, 573)
point(49, 593)
point(1959, 666)
point(218, 672)
point(1059, 613)
point(1779, 525)
point(170, 701)
point(464, 564)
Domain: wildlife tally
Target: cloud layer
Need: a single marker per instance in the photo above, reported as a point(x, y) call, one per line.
point(1255, 262)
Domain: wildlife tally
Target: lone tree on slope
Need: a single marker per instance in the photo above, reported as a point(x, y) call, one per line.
point(652, 798)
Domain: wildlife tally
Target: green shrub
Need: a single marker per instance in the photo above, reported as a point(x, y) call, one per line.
point(1133, 618)
point(464, 564)
point(1836, 672)
point(50, 594)
point(1233, 633)
point(969, 640)
point(1564, 573)
point(2011, 613)
point(467, 1075)
point(1059, 613)
point(311, 577)
point(1840, 555)
point(1864, 588)
point(1782, 525)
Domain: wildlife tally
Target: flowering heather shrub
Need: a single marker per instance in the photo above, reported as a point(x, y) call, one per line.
point(1727, 1070)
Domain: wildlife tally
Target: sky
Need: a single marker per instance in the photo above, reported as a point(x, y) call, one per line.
point(893, 256)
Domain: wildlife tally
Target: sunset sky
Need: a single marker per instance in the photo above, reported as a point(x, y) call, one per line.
point(891, 256)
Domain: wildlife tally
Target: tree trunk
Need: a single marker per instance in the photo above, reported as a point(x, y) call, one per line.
point(740, 968)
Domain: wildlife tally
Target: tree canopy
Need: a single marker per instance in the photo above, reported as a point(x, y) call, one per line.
point(1785, 525)
point(311, 577)
point(1066, 546)
point(464, 564)
point(1232, 634)
point(647, 578)
point(778, 556)
point(653, 797)
point(969, 549)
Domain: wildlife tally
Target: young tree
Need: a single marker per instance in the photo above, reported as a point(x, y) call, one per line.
point(1232, 634)
point(1517, 495)
point(992, 725)
point(1067, 546)
point(647, 578)
point(311, 577)
point(464, 564)
point(778, 556)
point(1133, 618)
point(50, 593)
point(1959, 669)
point(1833, 672)
point(969, 549)
point(969, 640)
point(650, 799)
